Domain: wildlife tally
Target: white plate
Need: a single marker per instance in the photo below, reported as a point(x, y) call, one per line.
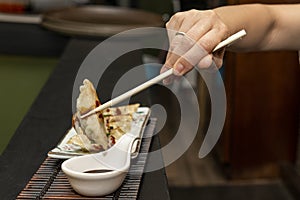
point(140, 119)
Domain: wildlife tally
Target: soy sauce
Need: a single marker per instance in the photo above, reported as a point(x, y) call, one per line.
point(98, 171)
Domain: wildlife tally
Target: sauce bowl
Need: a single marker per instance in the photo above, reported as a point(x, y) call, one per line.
point(113, 164)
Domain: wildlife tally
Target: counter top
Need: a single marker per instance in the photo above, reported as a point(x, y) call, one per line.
point(50, 116)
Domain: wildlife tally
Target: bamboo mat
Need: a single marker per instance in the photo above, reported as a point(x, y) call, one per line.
point(49, 181)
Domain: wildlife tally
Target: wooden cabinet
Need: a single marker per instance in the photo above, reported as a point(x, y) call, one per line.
point(262, 125)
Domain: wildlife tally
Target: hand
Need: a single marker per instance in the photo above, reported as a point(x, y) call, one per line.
point(203, 30)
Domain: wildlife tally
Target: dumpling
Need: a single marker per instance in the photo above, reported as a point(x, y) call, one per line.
point(92, 126)
point(98, 132)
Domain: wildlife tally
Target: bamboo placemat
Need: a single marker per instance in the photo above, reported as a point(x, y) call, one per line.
point(49, 181)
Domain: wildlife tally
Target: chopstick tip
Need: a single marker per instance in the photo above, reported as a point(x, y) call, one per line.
point(86, 115)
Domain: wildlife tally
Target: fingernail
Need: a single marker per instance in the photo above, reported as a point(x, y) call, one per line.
point(166, 81)
point(178, 69)
point(164, 68)
point(205, 62)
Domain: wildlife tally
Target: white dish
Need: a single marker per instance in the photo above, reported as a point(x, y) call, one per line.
point(140, 119)
point(83, 171)
point(92, 184)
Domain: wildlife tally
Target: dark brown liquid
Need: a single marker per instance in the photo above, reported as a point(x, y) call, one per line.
point(98, 171)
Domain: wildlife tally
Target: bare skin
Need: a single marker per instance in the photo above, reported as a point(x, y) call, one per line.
point(268, 27)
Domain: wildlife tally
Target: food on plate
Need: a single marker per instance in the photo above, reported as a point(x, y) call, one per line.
point(117, 121)
point(90, 130)
point(98, 131)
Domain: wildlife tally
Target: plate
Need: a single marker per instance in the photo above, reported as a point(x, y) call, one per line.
point(98, 20)
point(66, 151)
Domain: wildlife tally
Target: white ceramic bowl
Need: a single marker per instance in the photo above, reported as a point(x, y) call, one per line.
point(94, 184)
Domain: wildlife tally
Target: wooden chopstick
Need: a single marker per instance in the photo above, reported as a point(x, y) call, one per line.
point(158, 78)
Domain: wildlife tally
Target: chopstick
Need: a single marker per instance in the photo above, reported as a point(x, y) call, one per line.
point(158, 78)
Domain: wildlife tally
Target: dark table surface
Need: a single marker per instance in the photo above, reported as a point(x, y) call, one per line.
point(50, 116)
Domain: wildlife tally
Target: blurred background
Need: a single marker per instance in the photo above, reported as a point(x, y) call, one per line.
point(258, 154)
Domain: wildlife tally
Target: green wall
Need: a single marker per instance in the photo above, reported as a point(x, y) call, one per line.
point(21, 79)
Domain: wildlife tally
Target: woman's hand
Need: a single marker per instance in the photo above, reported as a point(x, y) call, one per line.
point(192, 36)
point(269, 27)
